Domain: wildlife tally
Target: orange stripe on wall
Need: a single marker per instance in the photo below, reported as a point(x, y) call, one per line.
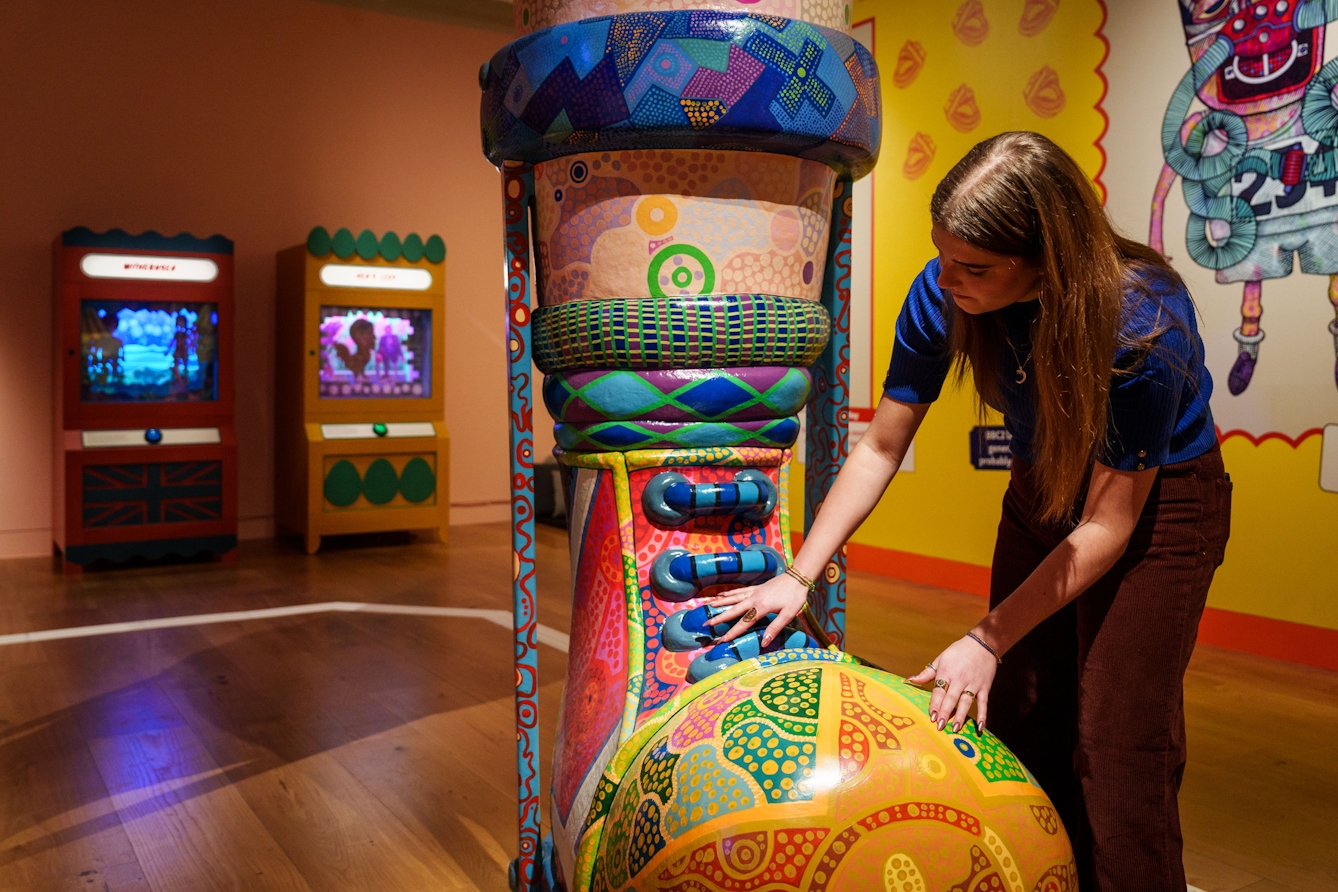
point(1259, 635)
point(1276, 638)
point(960, 577)
point(941, 572)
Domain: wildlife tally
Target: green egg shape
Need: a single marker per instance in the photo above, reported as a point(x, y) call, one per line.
point(342, 484)
point(417, 482)
point(343, 244)
point(368, 246)
point(435, 249)
point(380, 483)
point(413, 248)
point(318, 242)
point(390, 247)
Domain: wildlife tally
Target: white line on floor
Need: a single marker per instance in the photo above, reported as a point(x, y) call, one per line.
point(546, 634)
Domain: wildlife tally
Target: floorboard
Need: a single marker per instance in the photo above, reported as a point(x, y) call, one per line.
point(376, 752)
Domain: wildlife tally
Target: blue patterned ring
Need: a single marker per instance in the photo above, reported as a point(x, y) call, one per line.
point(707, 331)
point(684, 80)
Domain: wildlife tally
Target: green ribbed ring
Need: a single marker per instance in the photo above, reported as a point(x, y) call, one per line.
point(706, 331)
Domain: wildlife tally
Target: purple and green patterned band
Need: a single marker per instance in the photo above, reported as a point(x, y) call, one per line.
point(750, 393)
point(621, 436)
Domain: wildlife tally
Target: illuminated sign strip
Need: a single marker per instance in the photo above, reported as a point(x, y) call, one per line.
point(170, 436)
point(366, 432)
point(161, 269)
point(347, 275)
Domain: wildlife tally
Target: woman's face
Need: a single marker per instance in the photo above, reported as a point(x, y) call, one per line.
point(982, 281)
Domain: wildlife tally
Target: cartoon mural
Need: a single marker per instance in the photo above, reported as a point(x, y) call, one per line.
point(1258, 167)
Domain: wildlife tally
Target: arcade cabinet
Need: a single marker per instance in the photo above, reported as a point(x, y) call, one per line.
point(361, 445)
point(145, 453)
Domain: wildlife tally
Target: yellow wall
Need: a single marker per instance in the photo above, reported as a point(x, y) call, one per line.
point(946, 508)
point(1278, 563)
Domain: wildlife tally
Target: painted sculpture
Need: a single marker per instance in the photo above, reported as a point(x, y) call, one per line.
point(678, 175)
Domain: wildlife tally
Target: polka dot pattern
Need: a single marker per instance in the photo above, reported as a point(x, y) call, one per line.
point(794, 693)
point(1046, 817)
point(657, 773)
point(900, 874)
point(765, 859)
point(605, 219)
point(647, 839)
point(707, 789)
point(767, 271)
point(781, 765)
point(705, 806)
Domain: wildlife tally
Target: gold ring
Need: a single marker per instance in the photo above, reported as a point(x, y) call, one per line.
point(969, 694)
point(750, 614)
point(941, 683)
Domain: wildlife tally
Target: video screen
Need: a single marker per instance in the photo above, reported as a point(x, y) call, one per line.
point(148, 351)
point(375, 353)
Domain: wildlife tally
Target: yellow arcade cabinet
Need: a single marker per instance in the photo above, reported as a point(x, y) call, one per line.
point(360, 441)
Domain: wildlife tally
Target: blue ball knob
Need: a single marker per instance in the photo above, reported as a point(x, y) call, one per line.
point(153, 436)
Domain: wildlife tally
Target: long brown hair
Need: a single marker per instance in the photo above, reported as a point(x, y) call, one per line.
point(1020, 195)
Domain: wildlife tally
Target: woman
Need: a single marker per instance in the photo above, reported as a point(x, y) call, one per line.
point(1116, 514)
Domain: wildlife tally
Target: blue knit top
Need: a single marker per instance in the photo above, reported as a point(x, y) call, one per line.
point(1159, 412)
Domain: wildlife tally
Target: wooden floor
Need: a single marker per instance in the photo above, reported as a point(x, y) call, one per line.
point(352, 751)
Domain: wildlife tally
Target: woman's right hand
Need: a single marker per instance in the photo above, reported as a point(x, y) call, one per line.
point(782, 595)
point(859, 485)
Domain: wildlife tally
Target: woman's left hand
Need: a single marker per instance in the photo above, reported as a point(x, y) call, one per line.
point(968, 671)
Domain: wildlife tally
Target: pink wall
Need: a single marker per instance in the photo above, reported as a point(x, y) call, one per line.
point(257, 119)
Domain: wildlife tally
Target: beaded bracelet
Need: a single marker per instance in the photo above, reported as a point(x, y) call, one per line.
point(800, 578)
point(998, 660)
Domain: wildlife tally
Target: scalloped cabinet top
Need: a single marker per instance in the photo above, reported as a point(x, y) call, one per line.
point(390, 247)
point(535, 15)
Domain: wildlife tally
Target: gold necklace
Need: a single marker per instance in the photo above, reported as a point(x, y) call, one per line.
point(1021, 372)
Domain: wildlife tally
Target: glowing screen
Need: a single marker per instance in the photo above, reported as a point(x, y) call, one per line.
point(148, 351)
point(375, 353)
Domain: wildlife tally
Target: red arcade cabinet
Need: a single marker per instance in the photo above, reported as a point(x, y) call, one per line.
point(145, 459)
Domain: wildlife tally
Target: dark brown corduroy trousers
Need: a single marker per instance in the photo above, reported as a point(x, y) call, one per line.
point(1092, 700)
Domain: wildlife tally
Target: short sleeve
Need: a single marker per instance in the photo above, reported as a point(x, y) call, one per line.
point(920, 357)
point(1145, 397)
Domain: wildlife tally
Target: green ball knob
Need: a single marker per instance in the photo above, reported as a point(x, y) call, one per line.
point(380, 429)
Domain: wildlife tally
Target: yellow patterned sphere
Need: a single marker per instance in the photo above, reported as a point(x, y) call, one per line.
point(813, 772)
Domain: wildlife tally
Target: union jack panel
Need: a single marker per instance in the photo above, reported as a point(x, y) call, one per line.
point(168, 492)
